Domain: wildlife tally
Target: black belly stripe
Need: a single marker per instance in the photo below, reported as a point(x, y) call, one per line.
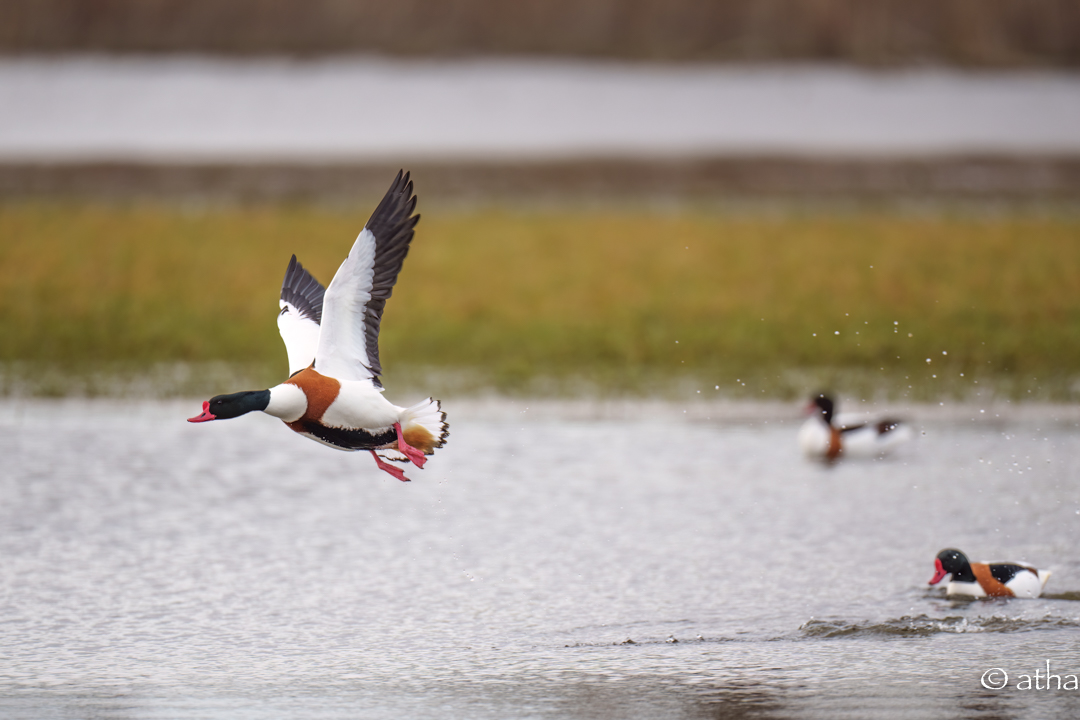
point(347, 438)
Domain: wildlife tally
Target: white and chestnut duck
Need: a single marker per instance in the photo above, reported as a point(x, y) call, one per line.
point(994, 579)
point(333, 394)
point(821, 437)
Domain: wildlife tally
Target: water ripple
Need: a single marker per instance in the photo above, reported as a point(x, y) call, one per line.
point(924, 626)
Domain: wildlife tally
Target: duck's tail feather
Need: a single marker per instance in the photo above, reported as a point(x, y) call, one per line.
point(424, 426)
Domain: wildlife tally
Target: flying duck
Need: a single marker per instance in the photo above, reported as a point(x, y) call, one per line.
point(997, 579)
point(822, 439)
point(333, 394)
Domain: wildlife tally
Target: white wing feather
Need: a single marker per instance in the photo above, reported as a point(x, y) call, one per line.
point(342, 350)
point(301, 303)
point(353, 305)
point(301, 336)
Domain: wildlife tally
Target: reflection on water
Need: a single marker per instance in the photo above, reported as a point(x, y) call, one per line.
point(542, 568)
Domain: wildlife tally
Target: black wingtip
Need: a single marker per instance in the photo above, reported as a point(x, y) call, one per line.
point(394, 214)
point(392, 224)
point(303, 291)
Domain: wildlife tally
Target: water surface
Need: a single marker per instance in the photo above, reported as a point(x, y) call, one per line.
point(547, 566)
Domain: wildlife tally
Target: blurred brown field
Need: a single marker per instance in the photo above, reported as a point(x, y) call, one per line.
point(615, 298)
point(702, 180)
point(980, 33)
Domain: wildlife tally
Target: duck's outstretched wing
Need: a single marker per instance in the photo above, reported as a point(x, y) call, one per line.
point(301, 312)
point(349, 341)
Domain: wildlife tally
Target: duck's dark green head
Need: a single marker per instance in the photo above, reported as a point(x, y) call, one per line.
point(223, 407)
point(952, 562)
point(821, 404)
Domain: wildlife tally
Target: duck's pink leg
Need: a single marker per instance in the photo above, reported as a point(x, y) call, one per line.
point(396, 472)
point(409, 451)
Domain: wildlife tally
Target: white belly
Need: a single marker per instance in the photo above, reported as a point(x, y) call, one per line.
point(360, 405)
point(968, 589)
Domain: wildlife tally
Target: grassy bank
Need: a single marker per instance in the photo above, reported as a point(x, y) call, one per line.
point(614, 301)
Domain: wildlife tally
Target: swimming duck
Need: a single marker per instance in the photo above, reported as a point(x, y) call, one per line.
point(334, 394)
point(996, 579)
point(822, 439)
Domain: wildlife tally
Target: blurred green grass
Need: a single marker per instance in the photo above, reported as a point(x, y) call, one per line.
point(612, 300)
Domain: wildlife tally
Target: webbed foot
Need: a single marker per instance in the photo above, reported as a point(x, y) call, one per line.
point(408, 450)
point(396, 472)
